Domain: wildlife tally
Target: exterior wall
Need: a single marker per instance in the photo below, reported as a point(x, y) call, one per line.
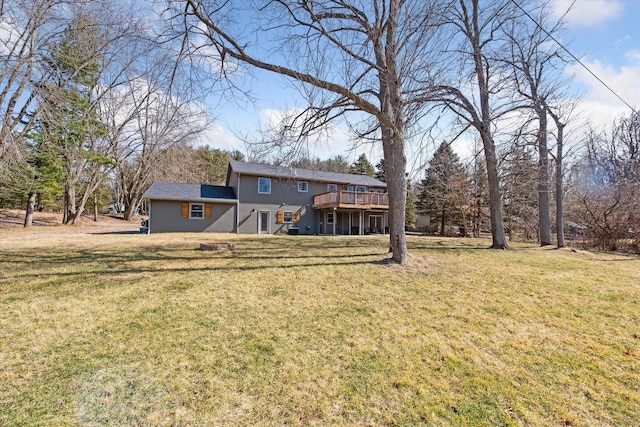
point(284, 196)
point(166, 216)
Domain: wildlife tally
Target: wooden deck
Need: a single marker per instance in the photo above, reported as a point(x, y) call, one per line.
point(351, 200)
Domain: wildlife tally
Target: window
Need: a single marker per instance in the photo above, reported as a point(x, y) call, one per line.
point(289, 217)
point(332, 187)
point(264, 185)
point(303, 186)
point(349, 187)
point(330, 218)
point(360, 189)
point(196, 210)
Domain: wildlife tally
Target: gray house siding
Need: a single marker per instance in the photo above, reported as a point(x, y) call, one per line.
point(166, 216)
point(284, 197)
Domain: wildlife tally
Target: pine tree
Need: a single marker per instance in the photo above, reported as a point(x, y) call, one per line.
point(362, 166)
point(445, 188)
point(410, 210)
point(70, 113)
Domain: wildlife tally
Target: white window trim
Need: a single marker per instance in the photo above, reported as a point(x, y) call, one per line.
point(284, 217)
point(332, 187)
point(191, 205)
point(304, 184)
point(331, 215)
point(264, 192)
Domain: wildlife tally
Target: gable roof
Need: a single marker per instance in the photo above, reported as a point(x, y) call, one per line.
point(258, 169)
point(190, 192)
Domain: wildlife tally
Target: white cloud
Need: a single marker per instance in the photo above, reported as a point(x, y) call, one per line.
point(333, 139)
point(633, 55)
point(599, 106)
point(588, 12)
point(217, 136)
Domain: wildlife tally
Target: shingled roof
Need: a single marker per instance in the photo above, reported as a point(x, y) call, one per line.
point(190, 192)
point(257, 169)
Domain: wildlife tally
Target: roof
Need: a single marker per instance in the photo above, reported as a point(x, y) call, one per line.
point(190, 192)
point(257, 169)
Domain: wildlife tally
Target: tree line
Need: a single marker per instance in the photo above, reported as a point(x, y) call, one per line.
point(97, 101)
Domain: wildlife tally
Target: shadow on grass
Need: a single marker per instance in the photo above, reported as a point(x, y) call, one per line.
point(117, 232)
point(89, 263)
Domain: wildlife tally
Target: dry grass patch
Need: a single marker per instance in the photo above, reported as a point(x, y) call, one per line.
point(146, 330)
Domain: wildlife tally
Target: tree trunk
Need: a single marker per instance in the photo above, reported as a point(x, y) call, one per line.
point(31, 200)
point(484, 128)
point(544, 219)
point(396, 187)
point(442, 222)
point(71, 213)
point(95, 206)
point(559, 194)
point(65, 207)
point(499, 240)
point(129, 211)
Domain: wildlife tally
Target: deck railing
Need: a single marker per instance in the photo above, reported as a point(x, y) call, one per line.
point(351, 199)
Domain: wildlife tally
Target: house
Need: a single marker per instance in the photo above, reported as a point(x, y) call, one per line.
point(266, 199)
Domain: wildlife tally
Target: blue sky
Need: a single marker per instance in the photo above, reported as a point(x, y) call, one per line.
point(604, 34)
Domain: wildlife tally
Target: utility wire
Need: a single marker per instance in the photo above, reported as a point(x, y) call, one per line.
point(574, 57)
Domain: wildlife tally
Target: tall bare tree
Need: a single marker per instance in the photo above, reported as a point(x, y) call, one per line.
point(559, 175)
point(26, 27)
point(161, 121)
point(482, 94)
point(350, 57)
point(537, 63)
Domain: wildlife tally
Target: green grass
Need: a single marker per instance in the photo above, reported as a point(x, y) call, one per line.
point(145, 330)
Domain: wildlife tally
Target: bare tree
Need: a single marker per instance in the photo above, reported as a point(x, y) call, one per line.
point(559, 176)
point(23, 26)
point(160, 122)
point(478, 44)
point(606, 185)
point(537, 63)
point(26, 27)
point(350, 58)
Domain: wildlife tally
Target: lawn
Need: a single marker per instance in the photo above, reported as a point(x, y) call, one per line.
point(145, 330)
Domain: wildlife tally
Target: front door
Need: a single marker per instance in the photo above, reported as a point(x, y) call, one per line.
point(263, 222)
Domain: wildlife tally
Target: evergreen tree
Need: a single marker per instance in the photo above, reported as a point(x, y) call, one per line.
point(479, 194)
point(519, 184)
point(445, 188)
point(362, 166)
point(39, 177)
point(214, 162)
point(70, 123)
point(410, 211)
